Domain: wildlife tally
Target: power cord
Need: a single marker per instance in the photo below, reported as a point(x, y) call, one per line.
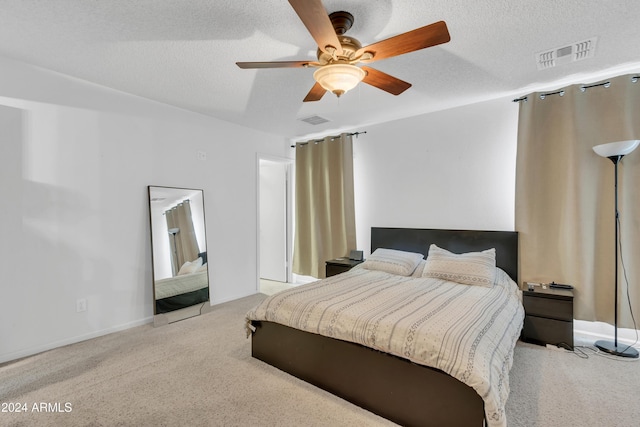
point(584, 351)
point(577, 350)
point(597, 352)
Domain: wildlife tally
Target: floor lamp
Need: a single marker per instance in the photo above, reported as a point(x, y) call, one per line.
point(174, 264)
point(615, 151)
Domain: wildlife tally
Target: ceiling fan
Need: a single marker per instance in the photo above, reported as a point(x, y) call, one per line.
point(337, 53)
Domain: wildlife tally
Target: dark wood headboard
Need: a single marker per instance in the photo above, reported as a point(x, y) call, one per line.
point(456, 241)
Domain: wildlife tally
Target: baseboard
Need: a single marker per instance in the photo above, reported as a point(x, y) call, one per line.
point(592, 331)
point(302, 280)
point(8, 357)
point(233, 298)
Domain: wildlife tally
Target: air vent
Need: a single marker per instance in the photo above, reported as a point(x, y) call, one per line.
point(158, 199)
point(314, 120)
point(566, 54)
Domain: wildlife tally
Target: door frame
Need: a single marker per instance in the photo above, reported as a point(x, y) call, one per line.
point(289, 163)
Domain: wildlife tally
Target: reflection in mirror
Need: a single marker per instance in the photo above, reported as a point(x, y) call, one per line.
point(179, 253)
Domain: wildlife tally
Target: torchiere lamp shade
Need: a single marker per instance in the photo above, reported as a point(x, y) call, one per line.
point(615, 149)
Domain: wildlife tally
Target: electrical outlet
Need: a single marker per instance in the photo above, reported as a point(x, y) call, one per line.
point(201, 155)
point(81, 305)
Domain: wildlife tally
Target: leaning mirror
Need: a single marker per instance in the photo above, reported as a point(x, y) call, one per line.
point(179, 253)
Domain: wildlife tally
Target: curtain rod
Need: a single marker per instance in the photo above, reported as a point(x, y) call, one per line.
point(332, 138)
point(176, 205)
point(583, 88)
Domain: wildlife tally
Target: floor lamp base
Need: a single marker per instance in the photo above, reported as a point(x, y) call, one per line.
point(619, 350)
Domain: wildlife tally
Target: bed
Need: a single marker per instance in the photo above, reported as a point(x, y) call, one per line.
point(177, 292)
point(402, 380)
point(188, 288)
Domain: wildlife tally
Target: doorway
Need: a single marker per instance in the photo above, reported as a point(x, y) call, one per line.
point(274, 222)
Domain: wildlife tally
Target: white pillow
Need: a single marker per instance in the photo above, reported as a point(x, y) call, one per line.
point(393, 261)
point(190, 267)
point(471, 268)
point(417, 273)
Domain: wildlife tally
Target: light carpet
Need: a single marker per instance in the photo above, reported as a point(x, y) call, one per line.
point(199, 372)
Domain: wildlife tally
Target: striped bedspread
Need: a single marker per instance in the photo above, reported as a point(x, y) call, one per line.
point(466, 331)
point(177, 285)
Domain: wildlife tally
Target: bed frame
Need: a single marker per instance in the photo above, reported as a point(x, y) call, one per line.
point(394, 388)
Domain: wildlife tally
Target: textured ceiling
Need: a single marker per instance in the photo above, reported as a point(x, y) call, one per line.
point(183, 52)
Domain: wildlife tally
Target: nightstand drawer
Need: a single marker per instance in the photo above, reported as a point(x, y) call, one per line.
point(333, 269)
point(549, 307)
point(340, 265)
point(547, 331)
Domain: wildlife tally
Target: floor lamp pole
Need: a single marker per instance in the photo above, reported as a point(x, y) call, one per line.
point(174, 262)
point(615, 151)
point(616, 217)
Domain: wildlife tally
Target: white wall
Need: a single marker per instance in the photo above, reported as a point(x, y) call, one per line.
point(77, 159)
point(450, 169)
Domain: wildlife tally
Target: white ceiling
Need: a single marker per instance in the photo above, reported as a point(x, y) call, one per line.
point(183, 52)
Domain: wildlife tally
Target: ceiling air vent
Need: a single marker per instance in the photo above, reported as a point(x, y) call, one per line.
point(314, 120)
point(563, 55)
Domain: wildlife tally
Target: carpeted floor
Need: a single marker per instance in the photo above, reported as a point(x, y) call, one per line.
point(270, 287)
point(199, 372)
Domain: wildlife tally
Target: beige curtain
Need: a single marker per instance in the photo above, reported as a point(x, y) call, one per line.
point(325, 214)
point(565, 195)
point(185, 246)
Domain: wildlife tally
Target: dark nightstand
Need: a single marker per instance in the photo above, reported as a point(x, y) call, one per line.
point(339, 265)
point(548, 316)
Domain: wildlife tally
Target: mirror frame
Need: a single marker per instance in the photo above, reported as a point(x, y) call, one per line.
point(200, 306)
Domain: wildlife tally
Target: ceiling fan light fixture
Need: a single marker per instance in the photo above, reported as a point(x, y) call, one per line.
point(339, 78)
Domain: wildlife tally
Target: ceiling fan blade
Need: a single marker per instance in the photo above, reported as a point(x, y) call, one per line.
point(420, 38)
point(273, 64)
point(315, 93)
point(314, 16)
point(384, 81)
